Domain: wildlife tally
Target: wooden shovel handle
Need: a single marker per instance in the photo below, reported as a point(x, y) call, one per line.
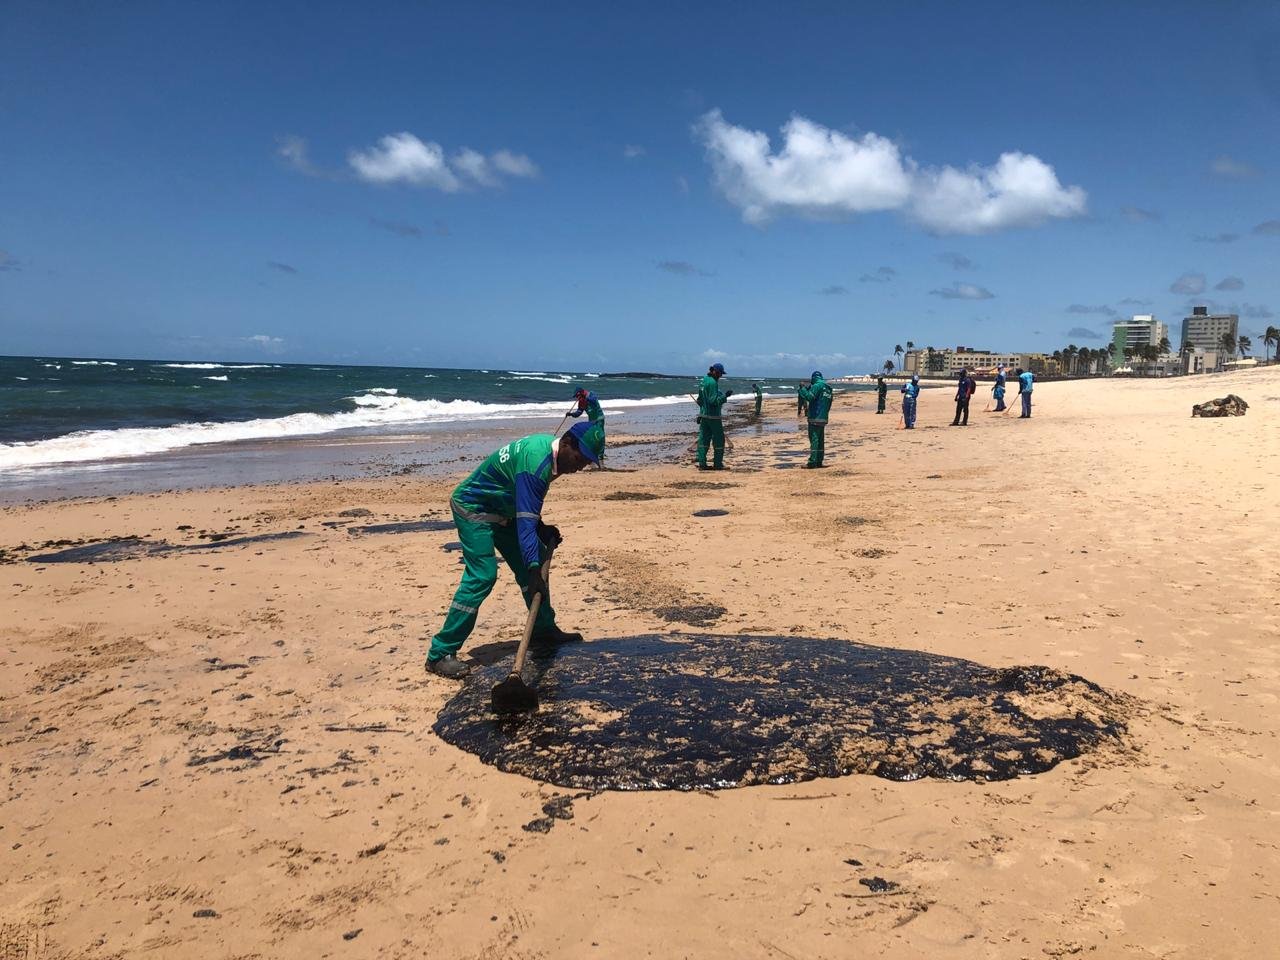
point(523, 650)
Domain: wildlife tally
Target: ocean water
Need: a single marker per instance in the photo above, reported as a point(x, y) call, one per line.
point(58, 411)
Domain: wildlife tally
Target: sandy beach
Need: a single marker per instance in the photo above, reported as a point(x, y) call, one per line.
point(228, 751)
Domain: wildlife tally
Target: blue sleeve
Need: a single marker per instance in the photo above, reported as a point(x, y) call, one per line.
point(530, 492)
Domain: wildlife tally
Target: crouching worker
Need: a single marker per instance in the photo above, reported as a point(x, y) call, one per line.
point(586, 401)
point(500, 506)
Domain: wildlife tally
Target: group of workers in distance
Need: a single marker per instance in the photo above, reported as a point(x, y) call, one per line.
point(497, 509)
point(814, 399)
point(966, 387)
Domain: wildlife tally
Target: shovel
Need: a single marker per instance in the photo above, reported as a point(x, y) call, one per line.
point(513, 695)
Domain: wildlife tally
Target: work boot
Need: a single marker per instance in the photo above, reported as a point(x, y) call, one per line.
point(449, 667)
point(555, 636)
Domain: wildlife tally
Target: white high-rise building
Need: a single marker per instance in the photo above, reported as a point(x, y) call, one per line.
point(1144, 330)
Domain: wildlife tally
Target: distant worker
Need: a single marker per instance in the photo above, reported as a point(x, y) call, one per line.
point(966, 387)
point(802, 405)
point(1026, 380)
point(759, 398)
point(882, 392)
point(998, 390)
point(910, 390)
point(817, 395)
point(500, 505)
point(587, 403)
point(710, 424)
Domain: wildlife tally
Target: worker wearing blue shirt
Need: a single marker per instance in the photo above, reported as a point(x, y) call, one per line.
point(910, 391)
point(1025, 382)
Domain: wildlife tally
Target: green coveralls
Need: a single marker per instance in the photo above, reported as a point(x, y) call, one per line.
point(710, 426)
point(818, 398)
point(594, 412)
point(498, 505)
point(759, 400)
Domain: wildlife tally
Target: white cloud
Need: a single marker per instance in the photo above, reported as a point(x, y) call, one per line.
point(1232, 169)
point(475, 166)
point(293, 152)
point(963, 291)
point(514, 164)
point(266, 342)
point(1191, 284)
point(403, 158)
point(1019, 191)
point(633, 150)
point(817, 172)
point(749, 364)
point(820, 172)
point(1230, 283)
point(1139, 215)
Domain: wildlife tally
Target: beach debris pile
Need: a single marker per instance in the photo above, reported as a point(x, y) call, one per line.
point(1228, 406)
point(692, 711)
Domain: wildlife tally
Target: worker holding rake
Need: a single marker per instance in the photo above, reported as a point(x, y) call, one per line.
point(500, 506)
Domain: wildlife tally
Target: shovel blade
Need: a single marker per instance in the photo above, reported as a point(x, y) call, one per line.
point(513, 695)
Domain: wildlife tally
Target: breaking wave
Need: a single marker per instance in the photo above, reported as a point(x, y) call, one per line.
point(371, 410)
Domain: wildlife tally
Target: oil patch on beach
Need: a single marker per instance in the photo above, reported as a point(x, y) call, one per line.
point(698, 711)
point(132, 548)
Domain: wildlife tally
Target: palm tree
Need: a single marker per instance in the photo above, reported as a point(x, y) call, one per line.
point(1164, 346)
point(1271, 338)
point(1184, 352)
point(897, 350)
point(888, 366)
point(1246, 345)
point(1227, 346)
point(911, 345)
point(1070, 354)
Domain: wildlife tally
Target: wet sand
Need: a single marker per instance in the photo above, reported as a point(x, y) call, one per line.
point(227, 751)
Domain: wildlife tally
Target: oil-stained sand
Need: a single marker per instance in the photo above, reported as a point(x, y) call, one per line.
point(699, 711)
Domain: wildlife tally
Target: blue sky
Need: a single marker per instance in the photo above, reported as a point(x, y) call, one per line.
point(629, 186)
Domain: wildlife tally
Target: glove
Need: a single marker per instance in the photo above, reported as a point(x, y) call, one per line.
point(537, 582)
point(728, 394)
point(698, 420)
point(549, 535)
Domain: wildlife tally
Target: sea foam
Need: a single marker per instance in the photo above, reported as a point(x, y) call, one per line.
point(372, 410)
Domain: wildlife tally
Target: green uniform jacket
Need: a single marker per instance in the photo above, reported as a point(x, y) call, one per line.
point(509, 485)
point(818, 396)
point(710, 398)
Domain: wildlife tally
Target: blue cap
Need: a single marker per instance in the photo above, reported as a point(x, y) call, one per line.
point(817, 375)
point(915, 378)
point(718, 367)
point(590, 438)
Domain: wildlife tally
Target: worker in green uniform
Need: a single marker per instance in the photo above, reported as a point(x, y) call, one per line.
point(710, 425)
point(759, 398)
point(802, 405)
point(500, 505)
point(817, 395)
point(882, 391)
point(586, 401)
